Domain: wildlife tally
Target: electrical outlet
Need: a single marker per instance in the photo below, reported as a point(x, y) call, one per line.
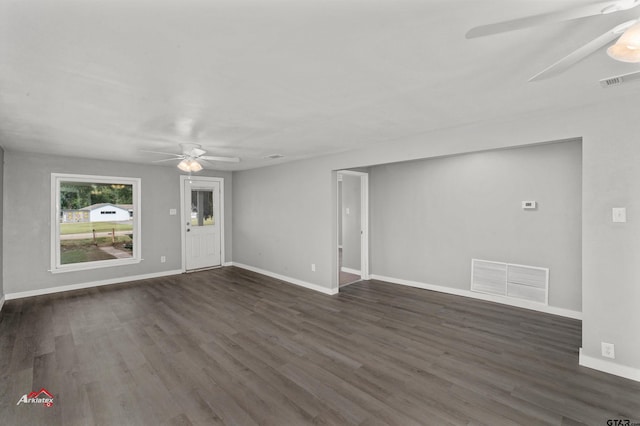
point(608, 350)
point(163, 259)
point(313, 267)
point(619, 214)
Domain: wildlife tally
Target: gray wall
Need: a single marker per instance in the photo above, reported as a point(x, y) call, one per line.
point(27, 198)
point(286, 219)
point(280, 220)
point(429, 218)
point(351, 222)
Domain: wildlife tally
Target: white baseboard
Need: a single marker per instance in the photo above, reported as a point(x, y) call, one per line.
point(1, 302)
point(609, 367)
point(488, 297)
point(49, 290)
point(350, 271)
point(295, 281)
point(227, 264)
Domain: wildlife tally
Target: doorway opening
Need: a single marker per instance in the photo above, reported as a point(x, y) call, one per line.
point(202, 222)
point(353, 227)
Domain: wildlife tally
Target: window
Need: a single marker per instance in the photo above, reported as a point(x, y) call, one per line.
point(95, 222)
point(202, 207)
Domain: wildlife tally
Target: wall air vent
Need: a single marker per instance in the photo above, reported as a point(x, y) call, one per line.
point(619, 79)
point(612, 81)
point(488, 277)
point(522, 282)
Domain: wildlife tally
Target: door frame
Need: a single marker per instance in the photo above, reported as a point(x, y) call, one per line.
point(183, 229)
point(364, 224)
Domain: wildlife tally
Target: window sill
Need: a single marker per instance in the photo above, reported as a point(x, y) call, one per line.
point(87, 266)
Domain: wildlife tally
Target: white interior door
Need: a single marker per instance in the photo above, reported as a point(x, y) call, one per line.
point(202, 220)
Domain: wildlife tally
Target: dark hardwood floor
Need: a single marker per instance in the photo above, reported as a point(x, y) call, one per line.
point(229, 346)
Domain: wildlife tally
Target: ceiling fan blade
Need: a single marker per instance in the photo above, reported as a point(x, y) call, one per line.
point(163, 153)
point(224, 159)
point(594, 9)
point(165, 159)
point(582, 52)
point(620, 79)
point(197, 152)
point(192, 149)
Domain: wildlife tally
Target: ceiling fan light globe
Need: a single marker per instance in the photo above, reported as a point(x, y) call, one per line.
point(189, 165)
point(624, 53)
point(184, 166)
point(627, 48)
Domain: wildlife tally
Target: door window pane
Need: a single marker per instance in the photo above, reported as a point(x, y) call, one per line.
point(202, 208)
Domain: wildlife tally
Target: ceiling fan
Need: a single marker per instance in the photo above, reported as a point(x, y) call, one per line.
point(626, 49)
point(192, 157)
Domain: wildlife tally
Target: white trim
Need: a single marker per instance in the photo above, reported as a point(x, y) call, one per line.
point(227, 264)
point(295, 281)
point(335, 282)
point(1, 302)
point(481, 296)
point(609, 367)
point(364, 224)
point(222, 256)
point(350, 271)
point(56, 178)
point(183, 232)
point(351, 172)
point(49, 290)
point(85, 266)
point(183, 236)
point(364, 221)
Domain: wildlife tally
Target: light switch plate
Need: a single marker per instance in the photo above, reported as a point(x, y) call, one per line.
point(173, 212)
point(619, 214)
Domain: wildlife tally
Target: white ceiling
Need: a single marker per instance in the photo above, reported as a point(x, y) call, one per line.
point(302, 78)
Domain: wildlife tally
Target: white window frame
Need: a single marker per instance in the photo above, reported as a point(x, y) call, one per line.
point(56, 178)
